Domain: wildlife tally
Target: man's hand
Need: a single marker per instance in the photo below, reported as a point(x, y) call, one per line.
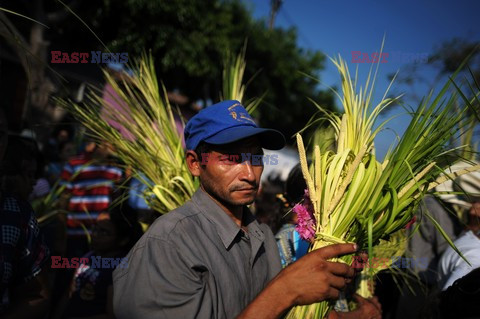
point(310, 279)
point(313, 278)
point(366, 309)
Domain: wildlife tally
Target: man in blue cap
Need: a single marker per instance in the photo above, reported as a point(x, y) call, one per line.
point(210, 258)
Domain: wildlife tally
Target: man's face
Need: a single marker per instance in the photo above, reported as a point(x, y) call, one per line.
point(227, 174)
point(475, 209)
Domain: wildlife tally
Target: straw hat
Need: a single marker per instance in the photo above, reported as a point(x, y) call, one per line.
point(468, 183)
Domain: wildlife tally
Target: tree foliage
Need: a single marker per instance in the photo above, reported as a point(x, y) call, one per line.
point(189, 40)
point(444, 60)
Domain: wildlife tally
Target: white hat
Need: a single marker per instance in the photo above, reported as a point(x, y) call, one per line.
point(468, 183)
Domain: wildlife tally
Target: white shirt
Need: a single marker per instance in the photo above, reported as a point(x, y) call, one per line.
point(452, 267)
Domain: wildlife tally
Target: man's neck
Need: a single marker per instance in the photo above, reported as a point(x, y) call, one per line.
point(234, 212)
point(475, 228)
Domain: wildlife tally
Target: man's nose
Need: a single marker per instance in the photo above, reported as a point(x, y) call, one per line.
point(247, 173)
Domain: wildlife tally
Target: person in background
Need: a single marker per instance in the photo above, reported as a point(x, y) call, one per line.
point(66, 150)
point(451, 265)
point(266, 205)
point(136, 200)
point(290, 245)
point(428, 243)
point(460, 300)
point(61, 135)
point(457, 291)
point(90, 180)
point(19, 167)
point(24, 290)
point(41, 187)
point(91, 291)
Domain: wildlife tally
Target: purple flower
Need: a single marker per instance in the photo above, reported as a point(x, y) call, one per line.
point(306, 221)
point(308, 203)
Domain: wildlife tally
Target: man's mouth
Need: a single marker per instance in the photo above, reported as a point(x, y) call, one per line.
point(247, 189)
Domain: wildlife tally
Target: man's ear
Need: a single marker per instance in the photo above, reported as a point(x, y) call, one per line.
point(193, 162)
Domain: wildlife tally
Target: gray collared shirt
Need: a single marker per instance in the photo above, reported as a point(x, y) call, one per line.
point(195, 262)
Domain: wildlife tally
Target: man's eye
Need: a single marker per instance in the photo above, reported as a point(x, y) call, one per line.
point(235, 159)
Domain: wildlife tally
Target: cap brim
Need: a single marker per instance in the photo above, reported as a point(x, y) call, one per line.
point(269, 138)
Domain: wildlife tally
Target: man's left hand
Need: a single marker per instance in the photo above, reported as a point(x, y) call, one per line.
point(366, 309)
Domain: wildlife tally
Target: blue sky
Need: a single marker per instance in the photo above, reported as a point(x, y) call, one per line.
point(343, 26)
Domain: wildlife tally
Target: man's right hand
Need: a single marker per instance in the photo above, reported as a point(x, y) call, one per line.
point(310, 279)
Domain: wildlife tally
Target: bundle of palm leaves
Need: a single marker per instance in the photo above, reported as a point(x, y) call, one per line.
point(355, 197)
point(146, 139)
point(153, 148)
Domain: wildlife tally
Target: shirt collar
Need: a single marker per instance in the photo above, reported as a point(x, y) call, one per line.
point(227, 229)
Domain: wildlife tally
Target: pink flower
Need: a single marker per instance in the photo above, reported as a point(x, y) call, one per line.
point(307, 202)
point(306, 221)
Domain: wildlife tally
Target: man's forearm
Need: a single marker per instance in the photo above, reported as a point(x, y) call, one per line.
point(271, 303)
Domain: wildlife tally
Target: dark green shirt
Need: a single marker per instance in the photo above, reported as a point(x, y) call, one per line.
point(195, 262)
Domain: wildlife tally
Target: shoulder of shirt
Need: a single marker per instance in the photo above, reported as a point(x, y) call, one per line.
point(434, 206)
point(286, 228)
point(430, 200)
point(266, 230)
point(175, 223)
point(462, 242)
point(466, 239)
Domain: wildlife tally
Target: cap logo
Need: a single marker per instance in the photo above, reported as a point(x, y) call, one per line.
point(241, 115)
point(247, 117)
point(233, 106)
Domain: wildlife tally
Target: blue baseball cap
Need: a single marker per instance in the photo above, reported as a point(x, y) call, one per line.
point(227, 122)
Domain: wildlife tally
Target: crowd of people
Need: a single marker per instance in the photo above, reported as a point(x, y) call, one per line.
point(64, 202)
point(75, 242)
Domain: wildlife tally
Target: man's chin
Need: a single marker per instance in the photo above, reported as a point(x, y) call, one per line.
point(245, 199)
point(245, 202)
